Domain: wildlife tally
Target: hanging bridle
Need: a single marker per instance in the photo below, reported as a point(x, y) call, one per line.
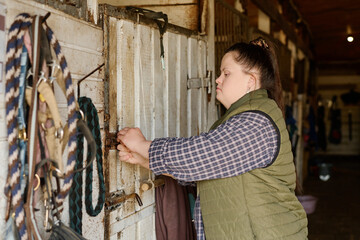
point(23, 23)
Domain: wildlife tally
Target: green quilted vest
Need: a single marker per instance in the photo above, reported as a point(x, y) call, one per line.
point(260, 204)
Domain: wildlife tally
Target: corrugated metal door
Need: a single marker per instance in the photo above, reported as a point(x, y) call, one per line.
point(169, 101)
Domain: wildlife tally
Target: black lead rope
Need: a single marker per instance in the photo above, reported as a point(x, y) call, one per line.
point(155, 16)
point(75, 198)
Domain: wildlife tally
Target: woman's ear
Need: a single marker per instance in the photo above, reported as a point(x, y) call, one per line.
point(252, 82)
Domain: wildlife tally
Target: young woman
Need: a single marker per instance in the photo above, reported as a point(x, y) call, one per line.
point(244, 165)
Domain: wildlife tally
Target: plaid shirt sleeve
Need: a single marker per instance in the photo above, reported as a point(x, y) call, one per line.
point(244, 142)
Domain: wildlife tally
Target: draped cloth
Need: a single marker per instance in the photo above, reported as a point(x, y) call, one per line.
point(173, 215)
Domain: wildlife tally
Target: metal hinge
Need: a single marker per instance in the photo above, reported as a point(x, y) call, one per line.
point(196, 83)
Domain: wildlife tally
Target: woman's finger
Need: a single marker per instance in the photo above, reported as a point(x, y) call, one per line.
point(121, 134)
point(122, 154)
point(121, 147)
point(123, 131)
point(124, 158)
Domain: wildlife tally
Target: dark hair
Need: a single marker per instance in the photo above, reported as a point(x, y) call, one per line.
point(260, 55)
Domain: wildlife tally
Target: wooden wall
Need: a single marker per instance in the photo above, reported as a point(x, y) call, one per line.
point(184, 13)
point(82, 45)
point(155, 99)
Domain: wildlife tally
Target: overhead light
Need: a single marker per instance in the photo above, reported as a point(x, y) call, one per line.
point(350, 38)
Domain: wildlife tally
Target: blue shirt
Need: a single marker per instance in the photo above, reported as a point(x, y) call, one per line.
point(243, 143)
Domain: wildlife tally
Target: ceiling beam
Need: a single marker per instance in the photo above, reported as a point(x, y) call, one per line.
point(269, 8)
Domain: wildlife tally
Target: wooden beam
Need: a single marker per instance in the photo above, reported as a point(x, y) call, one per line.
point(336, 86)
point(270, 9)
point(146, 2)
point(122, 13)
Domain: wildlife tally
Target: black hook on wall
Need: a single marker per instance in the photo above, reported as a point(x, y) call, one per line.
point(82, 79)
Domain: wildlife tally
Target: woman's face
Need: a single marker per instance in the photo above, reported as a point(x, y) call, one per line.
point(233, 83)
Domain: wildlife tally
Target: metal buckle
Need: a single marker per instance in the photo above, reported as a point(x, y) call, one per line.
point(38, 182)
point(59, 174)
point(54, 66)
point(82, 114)
point(29, 73)
point(42, 77)
point(22, 134)
point(47, 206)
point(59, 133)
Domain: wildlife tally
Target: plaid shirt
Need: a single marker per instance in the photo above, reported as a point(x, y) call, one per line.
point(244, 142)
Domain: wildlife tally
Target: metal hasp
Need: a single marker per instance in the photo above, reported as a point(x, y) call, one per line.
point(195, 83)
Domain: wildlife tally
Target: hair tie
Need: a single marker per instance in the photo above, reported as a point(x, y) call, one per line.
point(260, 42)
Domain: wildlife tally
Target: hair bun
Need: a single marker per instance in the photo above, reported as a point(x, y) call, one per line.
point(260, 42)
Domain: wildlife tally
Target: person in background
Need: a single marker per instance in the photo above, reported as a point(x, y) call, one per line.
point(243, 166)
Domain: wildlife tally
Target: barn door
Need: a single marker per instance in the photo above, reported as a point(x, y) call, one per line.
point(163, 100)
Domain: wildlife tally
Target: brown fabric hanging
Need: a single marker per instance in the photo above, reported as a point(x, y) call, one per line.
point(173, 217)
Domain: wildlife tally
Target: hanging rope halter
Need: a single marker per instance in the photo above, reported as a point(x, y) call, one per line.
point(72, 116)
point(75, 195)
point(13, 51)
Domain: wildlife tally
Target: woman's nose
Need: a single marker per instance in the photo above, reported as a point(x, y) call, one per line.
point(218, 80)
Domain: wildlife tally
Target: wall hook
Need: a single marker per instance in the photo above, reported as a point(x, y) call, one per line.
point(82, 79)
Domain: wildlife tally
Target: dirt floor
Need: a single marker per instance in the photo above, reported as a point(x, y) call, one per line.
point(337, 214)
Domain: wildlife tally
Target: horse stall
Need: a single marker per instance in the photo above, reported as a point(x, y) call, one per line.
point(116, 59)
point(163, 97)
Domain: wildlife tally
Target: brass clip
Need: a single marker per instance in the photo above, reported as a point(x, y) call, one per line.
point(47, 211)
point(22, 134)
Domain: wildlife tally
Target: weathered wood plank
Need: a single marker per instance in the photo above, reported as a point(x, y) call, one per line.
point(143, 100)
point(171, 58)
point(203, 91)
point(182, 65)
point(121, 226)
point(145, 228)
point(126, 103)
point(159, 86)
point(185, 16)
point(193, 102)
point(77, 35)
point(143, 80)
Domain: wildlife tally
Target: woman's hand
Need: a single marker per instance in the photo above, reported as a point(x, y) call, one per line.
point(125, 155)
point(134, 140)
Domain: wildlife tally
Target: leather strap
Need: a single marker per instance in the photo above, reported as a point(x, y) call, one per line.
point(54, 134)
point(161, 24)
point(33, 129)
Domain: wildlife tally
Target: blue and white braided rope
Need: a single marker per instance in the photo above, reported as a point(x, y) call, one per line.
point(13, 52)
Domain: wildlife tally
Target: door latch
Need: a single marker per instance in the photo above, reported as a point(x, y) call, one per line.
point(115, 199)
